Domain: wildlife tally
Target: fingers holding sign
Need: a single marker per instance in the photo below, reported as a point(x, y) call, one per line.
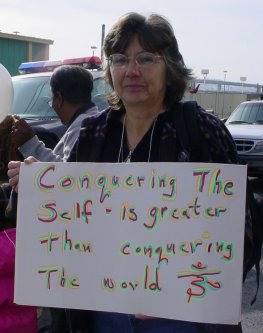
point(14, 171)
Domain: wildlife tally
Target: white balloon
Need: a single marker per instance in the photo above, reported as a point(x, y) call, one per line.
point(6, 92)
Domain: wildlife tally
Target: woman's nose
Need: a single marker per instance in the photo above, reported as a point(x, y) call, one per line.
point(132, 68)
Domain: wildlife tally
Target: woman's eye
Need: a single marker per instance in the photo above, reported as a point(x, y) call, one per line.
point(145, 59)
point(120, 60)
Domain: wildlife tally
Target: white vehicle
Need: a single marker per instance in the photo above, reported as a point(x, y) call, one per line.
point(32, 92)
point(246, 127)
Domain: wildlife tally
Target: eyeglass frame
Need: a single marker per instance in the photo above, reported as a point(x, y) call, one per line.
point(128, 59)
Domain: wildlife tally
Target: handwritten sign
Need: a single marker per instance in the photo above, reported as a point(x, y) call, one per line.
point(160, 239)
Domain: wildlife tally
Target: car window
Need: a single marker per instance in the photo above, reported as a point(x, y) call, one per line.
point(99, 93)
point(253, 108)
point(247, 113)
point(259, 115)
point(238, 114)
point(31, 97)
point(32, 94)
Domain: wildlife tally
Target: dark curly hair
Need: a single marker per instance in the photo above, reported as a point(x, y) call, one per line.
point(155, 34)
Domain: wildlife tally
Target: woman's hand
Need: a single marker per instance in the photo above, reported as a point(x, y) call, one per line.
point(14, 170)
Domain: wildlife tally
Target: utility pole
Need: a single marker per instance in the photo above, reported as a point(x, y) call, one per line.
point(102, 42)
point(225, 72)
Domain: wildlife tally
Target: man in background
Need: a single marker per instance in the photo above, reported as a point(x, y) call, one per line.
point(71, 89)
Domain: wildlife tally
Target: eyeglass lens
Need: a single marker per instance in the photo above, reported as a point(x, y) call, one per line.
point(144, 59)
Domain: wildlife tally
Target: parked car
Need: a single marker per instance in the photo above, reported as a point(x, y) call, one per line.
point(32, 93)
point(246, 127)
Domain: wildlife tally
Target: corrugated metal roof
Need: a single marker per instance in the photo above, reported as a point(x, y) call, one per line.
point(26, 38)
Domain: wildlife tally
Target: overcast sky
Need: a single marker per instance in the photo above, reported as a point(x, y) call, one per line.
point(219, 35)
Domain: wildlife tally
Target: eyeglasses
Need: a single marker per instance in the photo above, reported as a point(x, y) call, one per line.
point(142, 60)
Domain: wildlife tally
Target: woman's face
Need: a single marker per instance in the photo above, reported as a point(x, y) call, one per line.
point(139, 85)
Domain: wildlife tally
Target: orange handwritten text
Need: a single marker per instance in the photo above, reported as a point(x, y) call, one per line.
point(164, 252)
point(79, 211)
point(146, 283)
point(67, 242)
point(164, 182)
point(193, 210)
point(62, 280)
point(128, 213)
point(215, 185)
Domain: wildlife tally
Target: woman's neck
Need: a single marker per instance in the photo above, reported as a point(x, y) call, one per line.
point(137, 123)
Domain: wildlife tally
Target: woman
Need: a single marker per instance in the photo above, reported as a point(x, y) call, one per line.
point(149, 78)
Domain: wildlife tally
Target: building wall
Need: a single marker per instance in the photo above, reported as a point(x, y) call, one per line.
point(15, 49)
point(222, 97)
point(39, 52)
point(12, 53)
point(221, 104)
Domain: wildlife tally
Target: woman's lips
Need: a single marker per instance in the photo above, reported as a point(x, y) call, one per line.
point(133, 86)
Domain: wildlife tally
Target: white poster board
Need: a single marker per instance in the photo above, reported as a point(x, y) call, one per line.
point(160, 239)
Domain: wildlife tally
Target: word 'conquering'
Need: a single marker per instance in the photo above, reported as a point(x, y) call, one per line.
point(205, 179)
